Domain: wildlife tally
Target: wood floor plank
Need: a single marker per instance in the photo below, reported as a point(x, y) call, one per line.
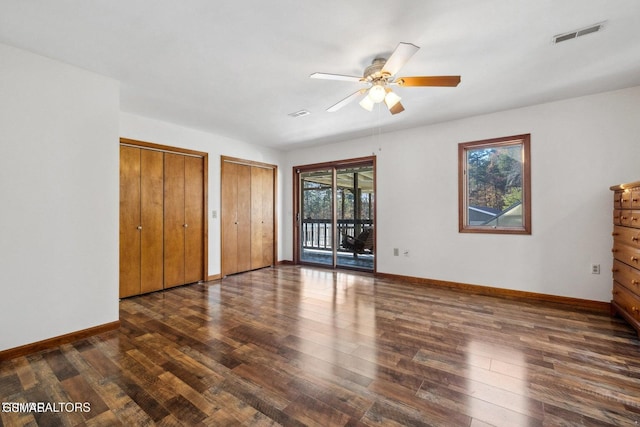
point(79, 390)
point(313, 412)
point(25, 373)
point(301, 346)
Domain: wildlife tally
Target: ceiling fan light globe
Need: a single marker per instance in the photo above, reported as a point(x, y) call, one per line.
point(367, 103)
point(391, 99)
point(377, 94)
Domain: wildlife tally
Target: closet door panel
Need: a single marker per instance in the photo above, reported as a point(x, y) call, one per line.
point(244, 218)
point(194, 230)
point(152, 211)
point(229, 214)
point(268, 228)
point(129, 221)
point(261, 217)
point(174, 220)
point(256, 218)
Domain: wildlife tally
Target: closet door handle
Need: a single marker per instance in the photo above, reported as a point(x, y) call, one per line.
point(139, 227)
point(186, 225)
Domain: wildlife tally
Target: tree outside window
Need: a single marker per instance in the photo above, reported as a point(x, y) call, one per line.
point(494, 185)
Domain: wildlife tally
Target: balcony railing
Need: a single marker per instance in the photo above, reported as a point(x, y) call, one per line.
point(317, 233)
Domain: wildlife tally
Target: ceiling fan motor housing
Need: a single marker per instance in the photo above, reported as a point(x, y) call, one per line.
point(374, 71)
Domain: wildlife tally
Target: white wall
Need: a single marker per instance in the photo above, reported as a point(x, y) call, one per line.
point(159, 132)
point(579, 148)
point(59, 192)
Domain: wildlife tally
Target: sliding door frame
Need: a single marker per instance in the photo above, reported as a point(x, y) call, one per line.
point(297, 202)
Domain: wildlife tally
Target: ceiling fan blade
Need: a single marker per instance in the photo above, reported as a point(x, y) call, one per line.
point(346, 101)
point(450, 81)
point(326, 76)
point(397, 108)
point(399, 57)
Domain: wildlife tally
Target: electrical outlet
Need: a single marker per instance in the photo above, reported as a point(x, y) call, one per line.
point(595, 268)
point(214, 214)
point(396, 251)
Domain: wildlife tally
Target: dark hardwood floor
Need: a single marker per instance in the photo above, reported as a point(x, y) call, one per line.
point(301, 346)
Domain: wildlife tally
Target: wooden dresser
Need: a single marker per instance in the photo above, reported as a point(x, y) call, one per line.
point(626, 253)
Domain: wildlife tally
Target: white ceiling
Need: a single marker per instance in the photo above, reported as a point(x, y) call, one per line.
point(238, 67)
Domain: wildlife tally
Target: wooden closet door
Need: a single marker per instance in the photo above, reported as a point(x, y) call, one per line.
point(236, 217)
point(261, 217)
point(244, 218)
point(151, 214)
point(129, 221)
point(229, 214)
point(268, 226)
point(174, 220)
point(193, 211)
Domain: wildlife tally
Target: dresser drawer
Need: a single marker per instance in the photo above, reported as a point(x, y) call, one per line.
point(626, 300)
point(626, 199)
point(635, 198)
point(630, 218)
point(617, 213)
point(627, 254)
point(627, 276)
point(622, 199)
point(627, 236)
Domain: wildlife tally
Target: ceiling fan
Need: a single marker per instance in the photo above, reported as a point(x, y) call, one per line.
point(380, 75)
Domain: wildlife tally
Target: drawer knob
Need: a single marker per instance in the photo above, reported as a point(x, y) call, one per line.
point(614, 270)
point(635, 309)
point(634, 282)
point(633, 218)
point(634, 259)
point(623, 218)
point(634, 239)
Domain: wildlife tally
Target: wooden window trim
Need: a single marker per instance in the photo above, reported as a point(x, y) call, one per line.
point(463, 227)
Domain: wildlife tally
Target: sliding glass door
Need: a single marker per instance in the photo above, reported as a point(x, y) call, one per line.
point(316, 211)
point(335, 214)
point(354, 216)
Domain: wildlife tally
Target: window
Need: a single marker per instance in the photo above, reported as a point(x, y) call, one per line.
point(494, 186)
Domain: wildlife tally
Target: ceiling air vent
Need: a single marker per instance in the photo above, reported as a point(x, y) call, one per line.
point(299, 113)
point(578, 33)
